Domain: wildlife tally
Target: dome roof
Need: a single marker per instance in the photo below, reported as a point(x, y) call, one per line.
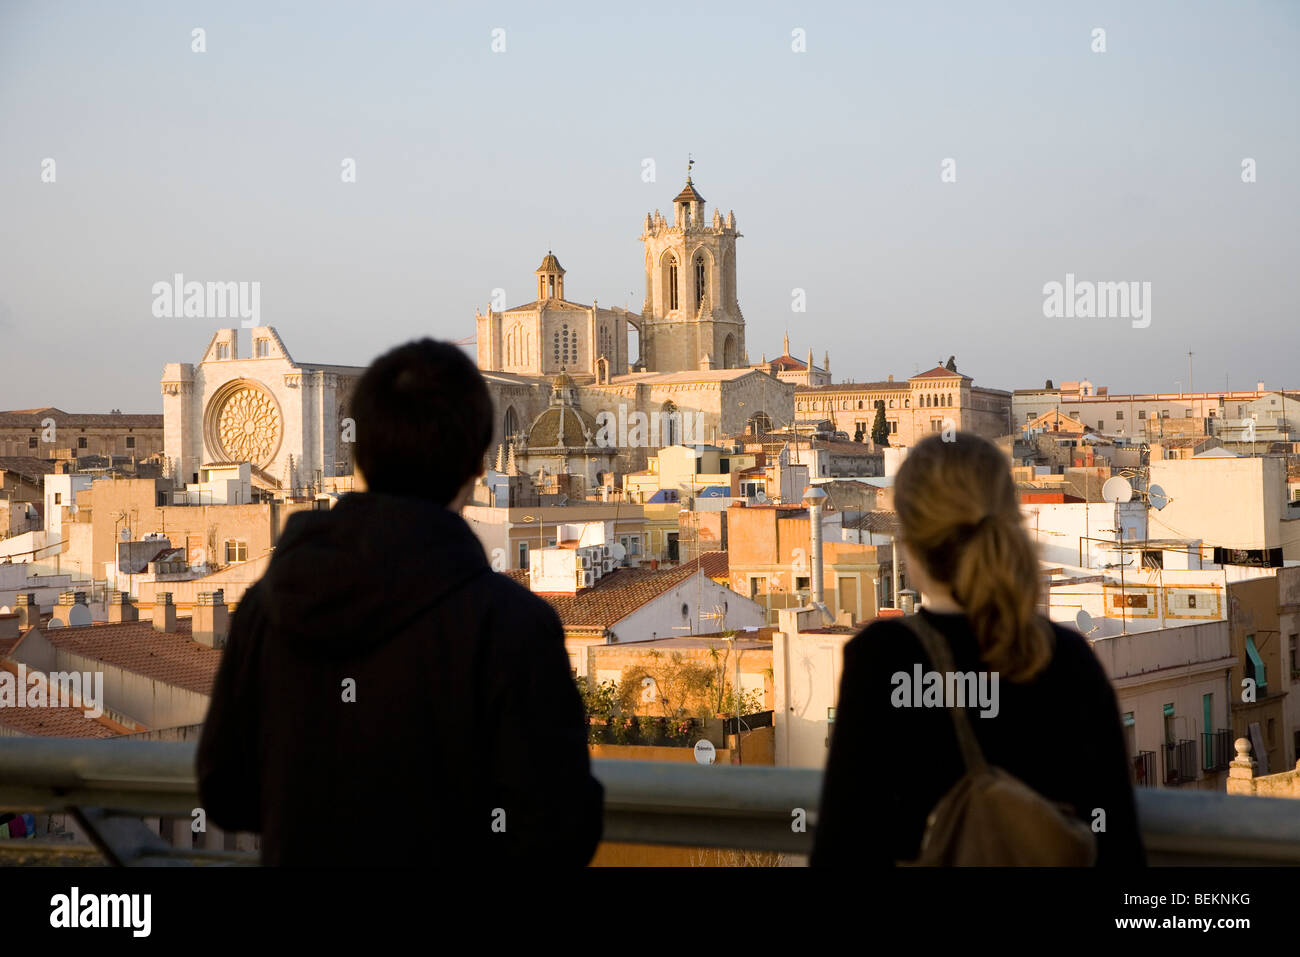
point(550, 264)
point(561, 381)
point(562, 426)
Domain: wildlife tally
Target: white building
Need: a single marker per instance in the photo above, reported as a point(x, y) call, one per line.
point(283, 417)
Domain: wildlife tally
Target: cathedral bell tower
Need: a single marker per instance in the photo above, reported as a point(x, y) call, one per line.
point(550, 278)
point(691, 318)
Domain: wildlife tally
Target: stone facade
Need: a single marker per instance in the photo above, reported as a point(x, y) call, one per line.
point(693, 358)
point(551, 334)
point(913, 409)
point(283, 417)
point(52, 433)
point(691, 318)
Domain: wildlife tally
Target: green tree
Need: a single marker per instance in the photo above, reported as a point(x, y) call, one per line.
point(880, 428)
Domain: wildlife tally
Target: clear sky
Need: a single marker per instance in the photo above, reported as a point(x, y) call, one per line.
point(225, 165)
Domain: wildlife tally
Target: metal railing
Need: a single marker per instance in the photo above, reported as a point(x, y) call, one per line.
point(1180, 761)
point(1217, 751)
point(110, 784)
point(1144, 769)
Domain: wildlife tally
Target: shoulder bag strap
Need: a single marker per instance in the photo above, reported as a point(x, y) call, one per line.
point(936, 649)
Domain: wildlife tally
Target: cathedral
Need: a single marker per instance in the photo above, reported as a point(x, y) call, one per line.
point(553, 366)
point(690, 354)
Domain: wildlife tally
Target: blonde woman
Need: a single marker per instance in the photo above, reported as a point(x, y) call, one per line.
point(1044, 710)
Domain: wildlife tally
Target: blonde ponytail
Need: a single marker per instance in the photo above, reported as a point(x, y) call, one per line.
point(957, 506)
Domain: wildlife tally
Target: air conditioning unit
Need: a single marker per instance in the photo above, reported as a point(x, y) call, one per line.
point(604, 552)
point(584, 559)
point(585, 578)
point(610, 565)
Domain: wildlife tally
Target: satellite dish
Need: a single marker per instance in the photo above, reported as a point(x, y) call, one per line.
point(761, 497)
point(72, 510)
point(79, 616)
point(1083, 621)
point(1117, 490)
point(1157, 497)
point(617, 552)
point(124, 534)
point(705, 752)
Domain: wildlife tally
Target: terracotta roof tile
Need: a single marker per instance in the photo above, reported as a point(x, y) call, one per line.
point(623, 591)
point(55, 722)
point(788, 364)
point(33, 418)
point(877, 521)
point(939, 372)
point(856, 387)
point(172, 658)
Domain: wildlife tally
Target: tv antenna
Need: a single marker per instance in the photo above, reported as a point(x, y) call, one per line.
point(1117, 491)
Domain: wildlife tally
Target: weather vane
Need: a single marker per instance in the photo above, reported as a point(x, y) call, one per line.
point(689, 163)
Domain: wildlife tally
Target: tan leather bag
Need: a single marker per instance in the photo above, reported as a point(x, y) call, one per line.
point(990, 817)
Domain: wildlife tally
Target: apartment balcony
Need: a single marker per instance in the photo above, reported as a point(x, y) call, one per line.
point(1216, 750)
point(110, 785)
point(1144, 769)
point(1180, 762)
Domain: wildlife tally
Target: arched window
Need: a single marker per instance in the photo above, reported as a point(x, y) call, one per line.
point(670, 424)
point(699, 281)
point(672, 282)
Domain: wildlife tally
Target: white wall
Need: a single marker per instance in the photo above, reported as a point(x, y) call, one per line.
point(152, 703)
point(662, 617)
point(806, 670)
point(66, 486)
point(1175, 666)
point(1235, 503)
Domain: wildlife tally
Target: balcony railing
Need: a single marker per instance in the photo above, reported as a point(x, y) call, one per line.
point(1180, 761)
point(1144, 769)
point(110, 785)
point(1217, 751)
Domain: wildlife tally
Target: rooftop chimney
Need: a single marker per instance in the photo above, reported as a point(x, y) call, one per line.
point(211, 621)
point(164, 612)
point(28, 609)
point(815, 498)
point(71, 611)
point(120, 608)
point(9, 625)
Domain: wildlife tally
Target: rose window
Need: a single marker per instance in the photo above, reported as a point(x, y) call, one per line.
point(249, 427)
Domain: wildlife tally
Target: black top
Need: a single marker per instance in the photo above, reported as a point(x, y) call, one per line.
point(888, 766)
point(465, 725)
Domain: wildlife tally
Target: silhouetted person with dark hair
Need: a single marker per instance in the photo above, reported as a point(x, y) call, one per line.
point(385, 697)
point(1056, 725)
